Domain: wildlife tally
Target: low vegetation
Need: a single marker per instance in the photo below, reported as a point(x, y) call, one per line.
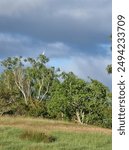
point(18, 133)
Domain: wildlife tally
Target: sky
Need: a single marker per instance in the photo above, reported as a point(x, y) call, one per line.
point(74, 34)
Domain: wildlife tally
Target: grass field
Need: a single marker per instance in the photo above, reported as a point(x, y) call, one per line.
point(18, 133)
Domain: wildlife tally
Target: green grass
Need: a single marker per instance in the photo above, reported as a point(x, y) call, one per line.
point(19, 138)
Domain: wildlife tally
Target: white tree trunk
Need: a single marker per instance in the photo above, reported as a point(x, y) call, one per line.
point(18, 76)
point(78, 117)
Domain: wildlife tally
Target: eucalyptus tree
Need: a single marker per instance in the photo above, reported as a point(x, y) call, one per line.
point(16, 67)
point(31, 76)
point(41, 76)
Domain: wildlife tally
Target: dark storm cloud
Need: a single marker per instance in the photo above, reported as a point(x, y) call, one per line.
point(21, 45)
point(73, 33)
point(81, 25)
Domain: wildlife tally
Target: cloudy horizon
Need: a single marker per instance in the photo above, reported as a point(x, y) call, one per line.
point(73, 34)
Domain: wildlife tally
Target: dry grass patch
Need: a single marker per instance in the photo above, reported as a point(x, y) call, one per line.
point(49, 125)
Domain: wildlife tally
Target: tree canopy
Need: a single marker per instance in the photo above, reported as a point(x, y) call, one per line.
point(28, 87)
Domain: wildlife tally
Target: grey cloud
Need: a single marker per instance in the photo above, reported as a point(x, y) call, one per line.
point(88, 66)
point(21, 45)
point(13, 45)
point(72, 30)
point(81, 24)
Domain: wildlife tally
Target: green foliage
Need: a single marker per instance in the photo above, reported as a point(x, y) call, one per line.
point(109, 69)
point(37, 109)
point(98, 104)
point(28, 87)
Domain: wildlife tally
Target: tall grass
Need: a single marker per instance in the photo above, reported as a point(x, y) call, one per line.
point(35, 136)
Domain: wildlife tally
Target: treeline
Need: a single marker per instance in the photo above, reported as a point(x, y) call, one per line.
point(29, 87)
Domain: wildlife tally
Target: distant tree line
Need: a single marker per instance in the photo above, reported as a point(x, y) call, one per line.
point(29, 87)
